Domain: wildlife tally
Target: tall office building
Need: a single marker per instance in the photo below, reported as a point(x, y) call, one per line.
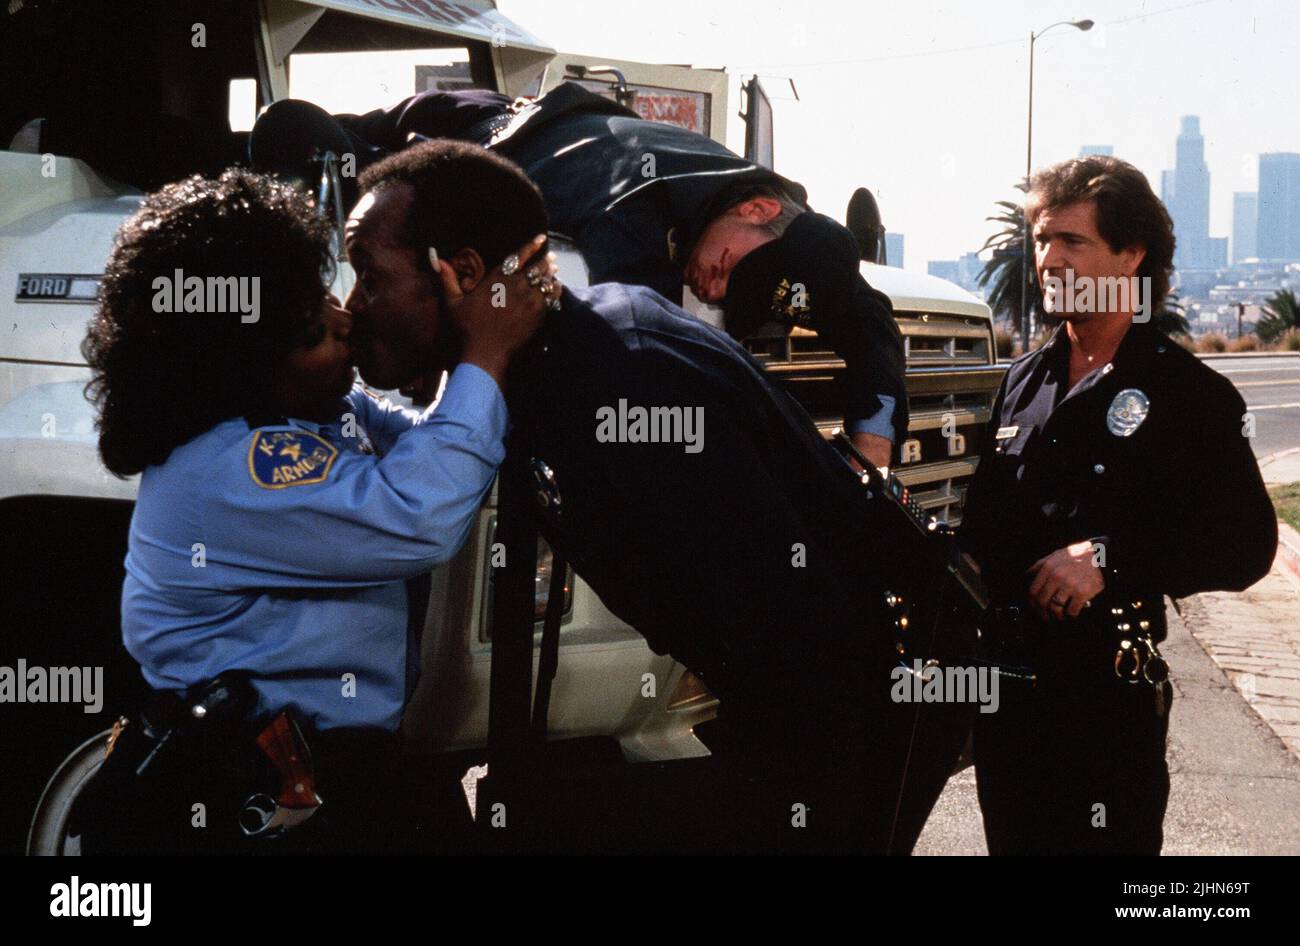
point(1216, 252)
point(943, 268)
point(964, 272)
point(894, 249)
point(1186, 193)
point(1278, 229)
point(1245, 219)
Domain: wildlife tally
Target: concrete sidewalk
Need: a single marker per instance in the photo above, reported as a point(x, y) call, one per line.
point(1254, 637)
point(1234, 780)
point(1235, 783)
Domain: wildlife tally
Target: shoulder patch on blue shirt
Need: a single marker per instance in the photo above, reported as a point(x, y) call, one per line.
point(280, 458)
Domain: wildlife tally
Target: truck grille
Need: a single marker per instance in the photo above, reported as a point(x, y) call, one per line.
point(951, 383)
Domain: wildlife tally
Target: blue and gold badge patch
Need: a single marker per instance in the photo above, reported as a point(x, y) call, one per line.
point(280, 458)
point(791, 305)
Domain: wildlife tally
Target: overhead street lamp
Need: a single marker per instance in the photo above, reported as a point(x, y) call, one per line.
point(1083, 25)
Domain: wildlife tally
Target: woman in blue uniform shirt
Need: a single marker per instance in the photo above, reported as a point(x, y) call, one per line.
point(281, 506)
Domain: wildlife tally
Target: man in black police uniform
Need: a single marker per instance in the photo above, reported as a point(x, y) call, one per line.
point(1117, 473)
point(744, 550)
point(651, 204)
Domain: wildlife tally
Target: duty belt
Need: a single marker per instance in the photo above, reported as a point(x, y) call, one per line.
point(1016, 635)
point(216, 710)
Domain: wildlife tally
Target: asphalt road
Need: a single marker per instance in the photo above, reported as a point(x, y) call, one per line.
point(1234, 786)
point(1270, 385)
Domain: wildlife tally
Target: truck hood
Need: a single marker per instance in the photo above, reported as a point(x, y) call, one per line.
point(916, 292)
point(51, 257)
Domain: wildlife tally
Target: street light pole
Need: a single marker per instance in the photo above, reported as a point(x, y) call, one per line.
point(1084, 26)
point(1024, 218)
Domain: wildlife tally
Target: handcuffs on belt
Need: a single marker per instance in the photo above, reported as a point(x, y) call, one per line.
point(1137, 658)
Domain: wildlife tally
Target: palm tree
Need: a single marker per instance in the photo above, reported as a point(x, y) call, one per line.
point(1281, 313)
point(1006, 270)
point(1172, 318)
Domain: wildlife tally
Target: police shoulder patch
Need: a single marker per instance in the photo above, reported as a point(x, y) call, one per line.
point(280, 458)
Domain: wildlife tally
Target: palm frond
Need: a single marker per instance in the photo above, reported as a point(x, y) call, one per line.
point(1281, 314)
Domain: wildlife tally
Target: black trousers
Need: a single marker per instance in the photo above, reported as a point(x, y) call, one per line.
point(1075, 764)
point(378, 799)
point(862, 780)
point(802, 774)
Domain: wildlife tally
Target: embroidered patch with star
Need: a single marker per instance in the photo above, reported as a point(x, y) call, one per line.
point(791, 305)
point(280, 458)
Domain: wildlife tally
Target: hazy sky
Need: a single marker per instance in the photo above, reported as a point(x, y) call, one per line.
point(894, 97)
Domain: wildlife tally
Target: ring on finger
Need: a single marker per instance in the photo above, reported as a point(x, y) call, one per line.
point(510, 265)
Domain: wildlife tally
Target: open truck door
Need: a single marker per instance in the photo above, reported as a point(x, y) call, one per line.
point(760, 144)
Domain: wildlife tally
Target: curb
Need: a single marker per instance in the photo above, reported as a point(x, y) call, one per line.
point(1288, 549)
point(1290, 451)
point(1266, 464)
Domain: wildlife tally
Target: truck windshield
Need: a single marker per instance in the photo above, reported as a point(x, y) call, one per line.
point(357, 82)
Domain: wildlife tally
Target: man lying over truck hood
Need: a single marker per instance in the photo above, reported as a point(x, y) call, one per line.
point(651, 204)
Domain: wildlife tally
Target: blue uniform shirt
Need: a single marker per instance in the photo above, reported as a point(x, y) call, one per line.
point(881, 423)
point(282, 551)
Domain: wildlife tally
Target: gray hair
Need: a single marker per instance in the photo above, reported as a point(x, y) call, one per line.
point(790, 208)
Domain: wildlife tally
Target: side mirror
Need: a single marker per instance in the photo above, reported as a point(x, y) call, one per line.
point(863, 221)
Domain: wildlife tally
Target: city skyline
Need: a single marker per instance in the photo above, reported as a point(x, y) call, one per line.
point(1210, 277)
point(1197, 247)
point(1188, 206)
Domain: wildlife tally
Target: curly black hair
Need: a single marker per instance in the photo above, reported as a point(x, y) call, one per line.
point(162, 378)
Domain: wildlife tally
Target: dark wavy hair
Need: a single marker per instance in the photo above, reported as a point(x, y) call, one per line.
point(162, 378)
point(1128, 211)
